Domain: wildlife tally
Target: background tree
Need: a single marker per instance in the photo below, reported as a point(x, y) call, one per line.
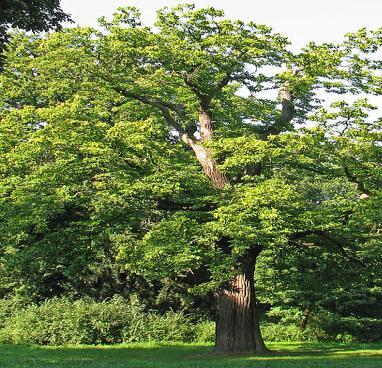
point(316, 288)
point(31, 15)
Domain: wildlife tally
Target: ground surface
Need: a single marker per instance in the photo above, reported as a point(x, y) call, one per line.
point(154, 355)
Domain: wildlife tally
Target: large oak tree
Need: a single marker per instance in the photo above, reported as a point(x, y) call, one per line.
point(167, 144)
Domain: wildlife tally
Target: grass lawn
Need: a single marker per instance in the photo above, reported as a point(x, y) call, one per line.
point(157, 355)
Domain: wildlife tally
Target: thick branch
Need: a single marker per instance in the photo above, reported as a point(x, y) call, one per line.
point(194, 88)
point(287, 105)
point(203, 155)
point(286, 113)
point(208, 163)
point(205, 118)
point(205, 121)
point(164, 107)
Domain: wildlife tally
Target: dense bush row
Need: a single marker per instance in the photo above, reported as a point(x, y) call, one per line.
point(62, 321)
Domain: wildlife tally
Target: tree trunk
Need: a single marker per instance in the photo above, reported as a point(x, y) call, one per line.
point(237, 324)
point(306, 315)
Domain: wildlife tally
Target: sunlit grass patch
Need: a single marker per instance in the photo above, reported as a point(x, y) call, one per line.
point(179, 355)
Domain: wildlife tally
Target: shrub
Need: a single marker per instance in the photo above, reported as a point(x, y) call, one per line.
point(326, 326)
point(154, 327)
point(62, 321)
point(275, 332)
point(348, 329)
point(205, 331)
point(9, 307)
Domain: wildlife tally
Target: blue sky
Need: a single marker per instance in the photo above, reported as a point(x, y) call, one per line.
point(302, 21)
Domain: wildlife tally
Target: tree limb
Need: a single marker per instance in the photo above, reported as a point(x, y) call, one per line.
point(163, 106)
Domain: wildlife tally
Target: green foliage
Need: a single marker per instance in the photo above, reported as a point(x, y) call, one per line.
point(331, 327)
point(62, 321)
point(205, 332)
point(168, 327)
point(31, 15)
point(285, 332)
point(325, 327)
point(87, 155)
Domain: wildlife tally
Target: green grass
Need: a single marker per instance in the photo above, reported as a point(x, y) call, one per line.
point(156, 355)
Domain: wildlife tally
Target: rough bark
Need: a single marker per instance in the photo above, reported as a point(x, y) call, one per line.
point(237, 324)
